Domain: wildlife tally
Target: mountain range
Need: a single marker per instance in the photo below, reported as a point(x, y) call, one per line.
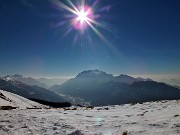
point(26, 80)
point(32, 92)
point(100, 88)
point(41, 82)
point(94, 87)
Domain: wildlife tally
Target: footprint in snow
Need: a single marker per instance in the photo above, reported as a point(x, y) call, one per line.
point(77, 132)
point(142, 114)
point(78, 114)
point(177, 115)
point(90, 116)
point(177, 125)
point(129, 115)
point(115, 116)
point(55, 128)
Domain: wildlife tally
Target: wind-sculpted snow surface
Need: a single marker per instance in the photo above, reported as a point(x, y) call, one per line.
point(151, 118)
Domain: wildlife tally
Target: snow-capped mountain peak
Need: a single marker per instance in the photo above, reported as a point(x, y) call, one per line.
point(26, 80)
point(8, 78)
point(12, 77)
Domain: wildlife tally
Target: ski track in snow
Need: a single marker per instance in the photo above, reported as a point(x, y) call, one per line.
point(151, 118)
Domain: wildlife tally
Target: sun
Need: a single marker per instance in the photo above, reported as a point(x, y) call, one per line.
point(82, 16)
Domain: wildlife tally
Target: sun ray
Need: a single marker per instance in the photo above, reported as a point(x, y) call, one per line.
point(69, 1)
point(83, 16)
point(62, 5)
point(102, 37)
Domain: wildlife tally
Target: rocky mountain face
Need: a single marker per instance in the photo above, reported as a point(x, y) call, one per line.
point(101, 88)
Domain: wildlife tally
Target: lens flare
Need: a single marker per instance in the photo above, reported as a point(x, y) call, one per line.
point(82, 17)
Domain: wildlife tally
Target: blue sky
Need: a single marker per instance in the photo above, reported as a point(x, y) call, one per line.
point(144, 38)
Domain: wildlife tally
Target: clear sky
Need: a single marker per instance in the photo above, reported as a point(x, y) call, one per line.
point(139, 37)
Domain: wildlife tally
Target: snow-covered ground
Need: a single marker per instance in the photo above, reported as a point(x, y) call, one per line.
point(151, 118)
point(10, 99)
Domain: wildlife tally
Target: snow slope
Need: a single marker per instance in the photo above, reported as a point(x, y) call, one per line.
point(10, 99)
point(151, 118)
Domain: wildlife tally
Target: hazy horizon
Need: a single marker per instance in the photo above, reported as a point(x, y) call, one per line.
point(172, 79)
point(49, 38)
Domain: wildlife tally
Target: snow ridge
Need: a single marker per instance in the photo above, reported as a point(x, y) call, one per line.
point(10, 99)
